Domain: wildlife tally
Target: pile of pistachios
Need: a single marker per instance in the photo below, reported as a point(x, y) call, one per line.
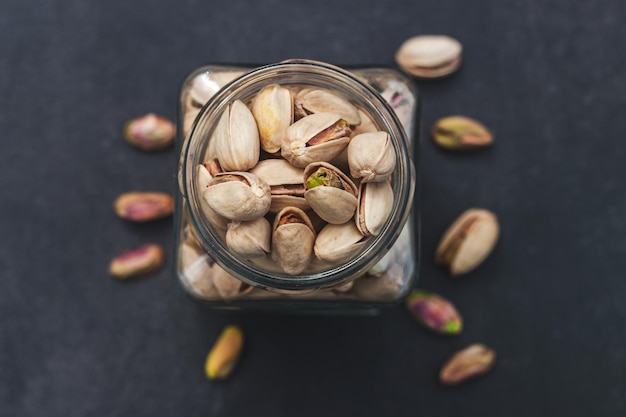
point(289, 182)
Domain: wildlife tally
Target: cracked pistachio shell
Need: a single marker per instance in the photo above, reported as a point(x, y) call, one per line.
point(238, 196)
point(197, 270)
point(273, 111)
point(371, 156)
point(318, 100)
point(338, 243)
point(468, 241)
point(459, 133)
point(202, 88)
point(204, 177)
point(429, 56)
point(292, 240)
point(374, 206)
point(367, 125)
point(332, 204)
point(249, 239)
point(285, 181)
point(470, 362)
point(434, 312)
point(237, 138)
point(295, 149)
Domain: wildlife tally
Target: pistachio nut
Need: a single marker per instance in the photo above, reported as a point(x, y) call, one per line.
point(238, 196)
point(461, 133)
point(197, 270)
point(228, 286)
point(292, 240)
point(139, 261)
point(317, 100)
point(468, 241)
point(273, 111)
point(371, 156)
point(338, 243)
point(429, 56)
point(434, 312)
point(375, 203)
point(237, 138)
point(470, 362)
point(249, 239)
point(205, 176)
point(285, 181)
point(143, 206)
point(331, 194)
point(317, 137)
point(223, 357)
point(150, 132)
point(384, 286)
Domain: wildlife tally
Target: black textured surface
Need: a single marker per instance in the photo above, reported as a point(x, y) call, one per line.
point(546, 76)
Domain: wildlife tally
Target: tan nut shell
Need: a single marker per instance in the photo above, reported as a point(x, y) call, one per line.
point(292, 243)
point(273, 111)
point(338, 243)
point(280, 172)
point(334, 205)
point(471, 238)
point(227, 285)
point(371, 156)
point(197, 270)
point(237, 138)
point(367, 125)
point(429, 56)
point(236, 200)
point(294, 148)
point(318, 100)
point(250, 239)
point(375, 205)
point(203, 179)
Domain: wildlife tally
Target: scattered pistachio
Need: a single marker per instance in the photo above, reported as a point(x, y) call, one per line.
point(137, 261)
point(143, 206)
point(470, 362)
point(429, 56)
point(461, 133)
point(468, 241)
point(150, 132)
point(434, 312)
point(223, 356)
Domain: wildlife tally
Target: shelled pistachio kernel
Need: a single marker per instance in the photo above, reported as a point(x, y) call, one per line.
point(429, 56)
point(434, 312)
point(150, 132)
point(460, 133)
point(143, 206)
point(468, 241)
point(223, 357)
point(470, 362)
point(139, 261)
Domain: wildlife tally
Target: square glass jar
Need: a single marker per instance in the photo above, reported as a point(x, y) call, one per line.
point(379, 275)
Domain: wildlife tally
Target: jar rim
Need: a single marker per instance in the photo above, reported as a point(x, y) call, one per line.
point(299, 71)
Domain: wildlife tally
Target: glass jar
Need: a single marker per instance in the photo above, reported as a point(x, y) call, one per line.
point(378, 275)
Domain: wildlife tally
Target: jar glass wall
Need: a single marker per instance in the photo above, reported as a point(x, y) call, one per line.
point(380, 274)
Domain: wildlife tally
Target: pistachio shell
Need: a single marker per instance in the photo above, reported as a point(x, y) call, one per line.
point(295, 148)
point(371, 156)
point(338, 243)
point(281, 175)
point(367, 125)
point(203, 179)
point(468, 241)
point(227, 285)
point(292, 242)
point(375, 205)
point(237, 138)
point(197, 270)
point(249, 239)
point(429, 56)
point(318, 100)
point(334, 205)
point(238, 196)
point(273, 111)
point(202, 88)
point(470, 362)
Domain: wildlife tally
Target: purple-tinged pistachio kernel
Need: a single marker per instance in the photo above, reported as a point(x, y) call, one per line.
point(434, 312)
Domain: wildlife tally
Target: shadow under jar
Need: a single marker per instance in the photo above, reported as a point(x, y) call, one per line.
point(366, 271)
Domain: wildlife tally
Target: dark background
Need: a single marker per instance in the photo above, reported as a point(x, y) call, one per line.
point(546, 76)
